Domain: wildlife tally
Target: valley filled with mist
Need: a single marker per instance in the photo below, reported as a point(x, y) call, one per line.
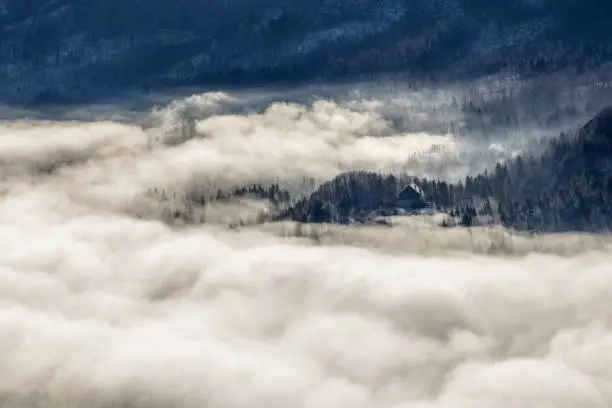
point(251, 247)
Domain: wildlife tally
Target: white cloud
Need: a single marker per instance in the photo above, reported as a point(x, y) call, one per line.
point(101, 308)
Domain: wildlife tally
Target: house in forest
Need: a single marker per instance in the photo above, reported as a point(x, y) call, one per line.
point(411, 198)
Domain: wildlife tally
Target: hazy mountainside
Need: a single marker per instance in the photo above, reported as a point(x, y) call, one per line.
point(62, 49)
point(568, 187)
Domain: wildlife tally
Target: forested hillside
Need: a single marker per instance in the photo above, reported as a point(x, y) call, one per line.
point(568, 187)
point(65, 49)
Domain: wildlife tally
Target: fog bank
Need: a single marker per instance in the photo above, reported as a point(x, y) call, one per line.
point(103, 304)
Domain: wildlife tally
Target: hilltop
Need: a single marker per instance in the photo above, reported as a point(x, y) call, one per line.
point(568, 187)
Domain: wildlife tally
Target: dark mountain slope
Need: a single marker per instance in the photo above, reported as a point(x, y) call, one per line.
point(54, 49)
point(569, 187)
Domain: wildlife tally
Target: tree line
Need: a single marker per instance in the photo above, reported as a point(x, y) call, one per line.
point(567, 187)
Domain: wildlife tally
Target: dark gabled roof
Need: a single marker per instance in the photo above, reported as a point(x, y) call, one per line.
point(412, 192)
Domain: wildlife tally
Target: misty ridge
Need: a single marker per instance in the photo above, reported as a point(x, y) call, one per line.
point(564, 188)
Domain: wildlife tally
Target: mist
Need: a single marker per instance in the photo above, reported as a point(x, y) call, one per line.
point(104, 304)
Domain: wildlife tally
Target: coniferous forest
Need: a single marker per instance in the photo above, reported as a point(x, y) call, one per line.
point(567, 187)
point(68, 49)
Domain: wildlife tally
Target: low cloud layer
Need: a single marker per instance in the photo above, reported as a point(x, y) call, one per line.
point(200, 142)
point(108, 311)
point(104, 305)
point(188, 146)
